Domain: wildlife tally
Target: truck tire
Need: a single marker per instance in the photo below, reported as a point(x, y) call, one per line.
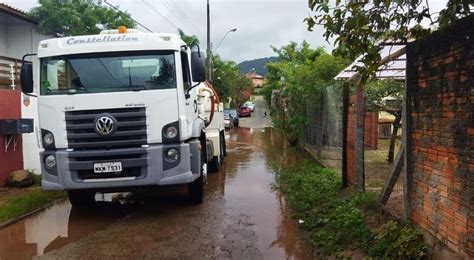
point(218, 160)
point(214, 164)
point(79, 198)
point(196, 188)
point(224, 146)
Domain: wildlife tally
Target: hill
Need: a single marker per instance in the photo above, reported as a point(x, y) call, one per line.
point(257, 64)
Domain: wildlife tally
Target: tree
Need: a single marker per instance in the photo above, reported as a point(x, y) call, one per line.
point(300, 74)
point(188, 39)
point(229, 82)
point(358, 27)
point(77, 17)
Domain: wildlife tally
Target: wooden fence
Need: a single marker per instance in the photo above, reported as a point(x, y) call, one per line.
point(5, 72)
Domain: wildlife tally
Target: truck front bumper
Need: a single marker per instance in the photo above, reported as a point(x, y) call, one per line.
point(144, 166)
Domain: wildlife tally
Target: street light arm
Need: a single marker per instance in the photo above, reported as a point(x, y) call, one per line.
point(223, 38)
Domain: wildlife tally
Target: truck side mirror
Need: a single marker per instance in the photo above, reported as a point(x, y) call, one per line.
point(26, 77)
point(198, 66)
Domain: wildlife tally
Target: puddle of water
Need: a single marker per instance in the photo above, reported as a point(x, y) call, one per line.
point(53, 228)
point(249, 190)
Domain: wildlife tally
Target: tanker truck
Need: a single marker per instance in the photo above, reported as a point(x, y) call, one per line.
point(123, 110)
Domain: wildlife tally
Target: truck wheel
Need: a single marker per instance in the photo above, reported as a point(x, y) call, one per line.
point(214, 164)
point(81, 198)
point(196, 188)
point(223, 147)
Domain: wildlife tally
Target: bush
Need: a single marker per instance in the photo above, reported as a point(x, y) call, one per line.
point(398, 242)
point(335, 219)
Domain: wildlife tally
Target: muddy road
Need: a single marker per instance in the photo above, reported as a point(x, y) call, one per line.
point(243, 216)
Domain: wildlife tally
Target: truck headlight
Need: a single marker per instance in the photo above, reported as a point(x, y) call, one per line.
point(171, 132)
point(50, 161)
point(172, 155)
point(48, 139)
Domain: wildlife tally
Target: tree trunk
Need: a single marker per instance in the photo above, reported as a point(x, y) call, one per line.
point(393, 138)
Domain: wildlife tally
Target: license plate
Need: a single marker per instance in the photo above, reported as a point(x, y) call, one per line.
point(107, 167)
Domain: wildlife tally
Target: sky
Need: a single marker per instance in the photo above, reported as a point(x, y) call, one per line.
point(260, 24)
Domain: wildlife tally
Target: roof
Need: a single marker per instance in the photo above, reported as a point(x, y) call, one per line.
point(10, 10)
point(394, 69)
point(255, 75)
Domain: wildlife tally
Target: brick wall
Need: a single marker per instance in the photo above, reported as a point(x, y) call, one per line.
point(370, 137)
point(440, 91)
point(10, 160)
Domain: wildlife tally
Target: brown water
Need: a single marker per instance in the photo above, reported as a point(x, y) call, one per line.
point(242, 217)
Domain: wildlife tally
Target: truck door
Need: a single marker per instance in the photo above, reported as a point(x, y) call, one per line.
point(190, 97)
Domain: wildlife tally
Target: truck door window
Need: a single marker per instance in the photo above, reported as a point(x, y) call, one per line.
point(185, 69)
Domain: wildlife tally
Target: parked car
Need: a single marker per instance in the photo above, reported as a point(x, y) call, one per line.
point(228, 121)
point(250, 105)
point(245, 111)
point(233, 114)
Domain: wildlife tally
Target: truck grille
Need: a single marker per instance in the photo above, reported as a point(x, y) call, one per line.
point(133, 161)
point(131, 129)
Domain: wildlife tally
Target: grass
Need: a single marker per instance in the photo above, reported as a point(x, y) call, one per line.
point(339, 220)
point(16, 202)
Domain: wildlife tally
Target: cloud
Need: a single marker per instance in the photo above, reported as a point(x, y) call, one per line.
point(260, 23)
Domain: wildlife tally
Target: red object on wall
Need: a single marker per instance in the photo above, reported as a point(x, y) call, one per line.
point(10, 160)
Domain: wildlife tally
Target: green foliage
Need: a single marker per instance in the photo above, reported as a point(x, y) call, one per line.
point(336, 220)
point(15, 205)
point(188, 39)
point(357, 26)
point(378, 89)
point(76, 17)
point(395, 241)
point(228, 81)
point(300, 73)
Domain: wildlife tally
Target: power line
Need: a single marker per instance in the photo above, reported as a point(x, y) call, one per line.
point(183, 14)
point(159, 13)
point(118, 10)
point(178, 19)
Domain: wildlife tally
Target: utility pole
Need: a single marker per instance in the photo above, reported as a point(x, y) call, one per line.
point(209, 54)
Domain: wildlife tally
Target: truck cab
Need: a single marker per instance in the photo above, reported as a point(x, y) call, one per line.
point(118, 111)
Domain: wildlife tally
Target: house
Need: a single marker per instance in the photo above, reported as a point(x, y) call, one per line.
point(18, 36)
point(257, 80)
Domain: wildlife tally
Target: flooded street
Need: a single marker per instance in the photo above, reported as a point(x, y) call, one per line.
point(242, 217)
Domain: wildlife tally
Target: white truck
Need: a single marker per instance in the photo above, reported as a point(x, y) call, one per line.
point(124, 110)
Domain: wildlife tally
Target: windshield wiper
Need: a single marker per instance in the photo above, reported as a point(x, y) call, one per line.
point(134, 87)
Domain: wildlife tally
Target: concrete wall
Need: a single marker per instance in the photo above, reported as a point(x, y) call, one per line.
point(3, 39)
point(440, 93)
point(18, 37)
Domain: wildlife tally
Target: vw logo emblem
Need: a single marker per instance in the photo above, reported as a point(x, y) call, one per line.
point(105, 125)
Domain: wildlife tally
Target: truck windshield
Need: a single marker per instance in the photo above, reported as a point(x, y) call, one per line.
point(107, 72)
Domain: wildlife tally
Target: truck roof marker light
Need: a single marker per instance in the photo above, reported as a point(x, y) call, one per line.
point(122, 29)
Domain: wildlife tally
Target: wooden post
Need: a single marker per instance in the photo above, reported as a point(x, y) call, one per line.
point(345, 116)
point(406, 138)
point(359, 134)
point(395, 171)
